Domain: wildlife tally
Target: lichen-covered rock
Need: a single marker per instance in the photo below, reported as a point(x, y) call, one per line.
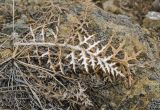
point(78, 85)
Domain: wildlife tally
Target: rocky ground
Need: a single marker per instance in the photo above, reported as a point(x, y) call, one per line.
point(126, 20)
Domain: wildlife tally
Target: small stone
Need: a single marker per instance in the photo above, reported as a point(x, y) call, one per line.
point(152, 77)
point(153, 15)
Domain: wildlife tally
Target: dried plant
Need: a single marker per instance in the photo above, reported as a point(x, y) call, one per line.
point(81, 52)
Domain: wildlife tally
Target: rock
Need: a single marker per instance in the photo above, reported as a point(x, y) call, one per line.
point(153, 77)
point(110, 7)
point(107, 22)
point(153, 15)
point(156, 5)
point(20, 26)
point(154, 104)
